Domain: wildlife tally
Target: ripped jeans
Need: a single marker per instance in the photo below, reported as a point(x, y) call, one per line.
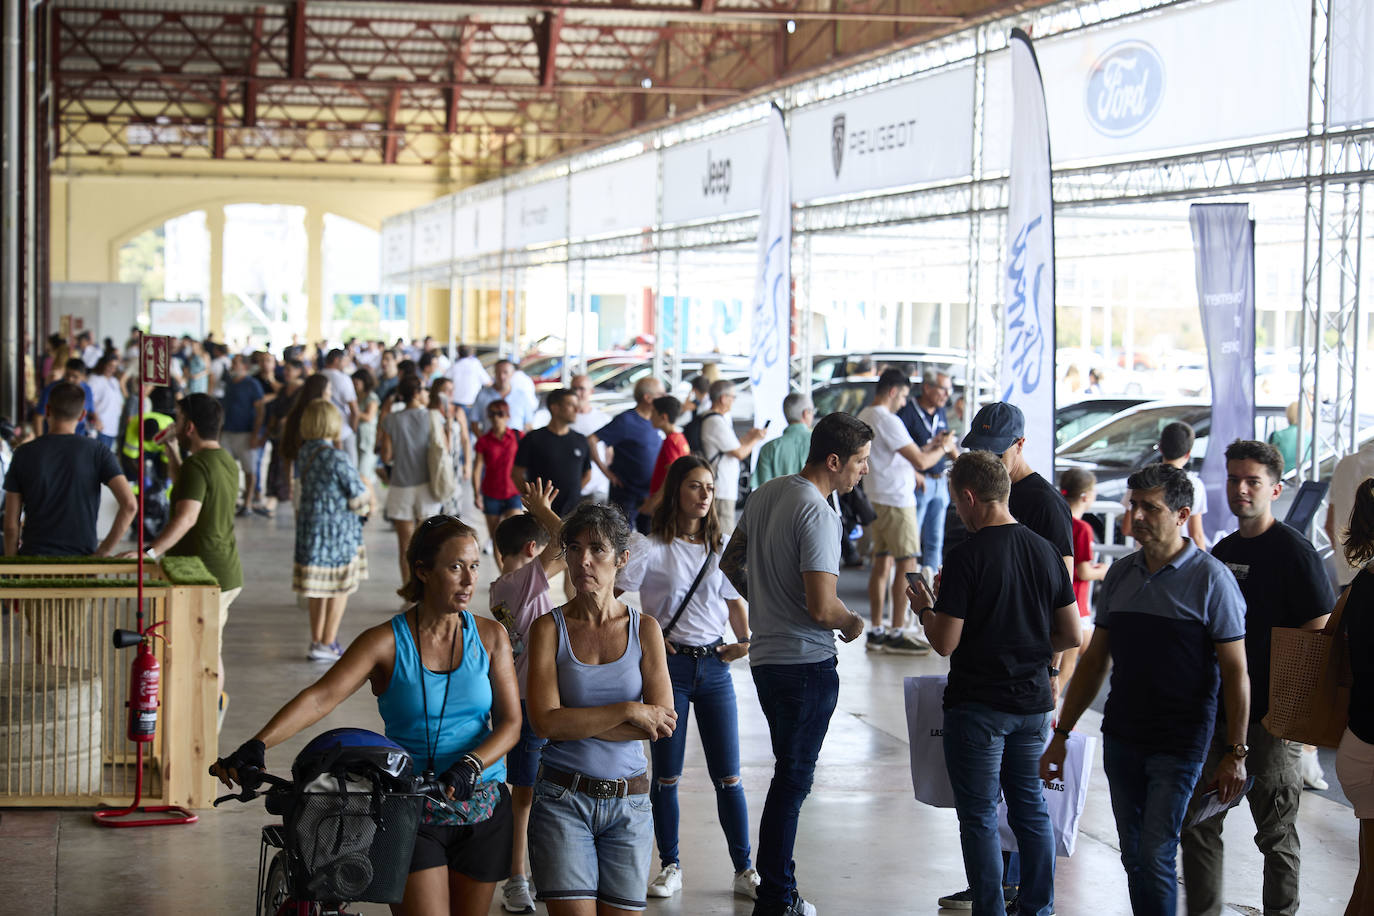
point(702, 683)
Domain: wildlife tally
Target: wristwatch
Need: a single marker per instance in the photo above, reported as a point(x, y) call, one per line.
point(921, 615)
point(1238, 751)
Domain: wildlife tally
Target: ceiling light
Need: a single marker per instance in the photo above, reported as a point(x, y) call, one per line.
point(791, 26)
point(646, 83)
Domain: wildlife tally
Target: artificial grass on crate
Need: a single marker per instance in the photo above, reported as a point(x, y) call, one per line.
point(187, 571)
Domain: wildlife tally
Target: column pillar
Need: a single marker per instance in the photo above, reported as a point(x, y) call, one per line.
point(314, 274)
point(214, 222)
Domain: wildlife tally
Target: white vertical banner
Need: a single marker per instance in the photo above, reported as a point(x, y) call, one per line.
point(770, 328)
point(1028, 350)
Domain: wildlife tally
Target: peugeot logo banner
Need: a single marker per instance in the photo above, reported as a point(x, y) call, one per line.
point(1027, 378)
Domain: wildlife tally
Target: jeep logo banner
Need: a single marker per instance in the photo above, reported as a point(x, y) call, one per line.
point(1027, 378)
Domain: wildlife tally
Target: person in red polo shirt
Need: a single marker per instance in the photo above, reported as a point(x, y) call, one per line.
point(496, 450)
point(666, 411)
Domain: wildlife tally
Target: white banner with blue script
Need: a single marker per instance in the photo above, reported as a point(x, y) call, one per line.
point(770, 325)
point(1027, 378)
point(1224, 249)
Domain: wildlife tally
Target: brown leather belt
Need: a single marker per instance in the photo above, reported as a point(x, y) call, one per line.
point(597, 788)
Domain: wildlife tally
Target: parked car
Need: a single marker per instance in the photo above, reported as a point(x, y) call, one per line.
point(1072, 419)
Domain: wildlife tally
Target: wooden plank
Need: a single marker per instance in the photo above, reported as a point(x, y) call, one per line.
point(190, 697)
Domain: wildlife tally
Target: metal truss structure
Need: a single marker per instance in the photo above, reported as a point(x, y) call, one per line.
point(481, 87)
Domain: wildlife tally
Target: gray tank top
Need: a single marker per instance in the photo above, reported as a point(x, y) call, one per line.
point(585, 685)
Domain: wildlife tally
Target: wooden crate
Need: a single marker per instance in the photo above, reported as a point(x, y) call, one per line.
point(63, 686)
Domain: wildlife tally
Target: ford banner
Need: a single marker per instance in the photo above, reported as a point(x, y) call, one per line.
point(1224, 249)
point(1027, 376)
point(770, 327)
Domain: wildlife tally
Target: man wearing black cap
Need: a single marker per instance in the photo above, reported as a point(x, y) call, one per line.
point(1000, 428)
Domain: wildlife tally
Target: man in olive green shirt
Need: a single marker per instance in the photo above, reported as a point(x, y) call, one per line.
point(787, 453)
point(205, 486)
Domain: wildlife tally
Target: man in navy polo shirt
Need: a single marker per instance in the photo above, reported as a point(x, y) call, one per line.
point(1171, 623)
point(634, 442)
point(924, 417)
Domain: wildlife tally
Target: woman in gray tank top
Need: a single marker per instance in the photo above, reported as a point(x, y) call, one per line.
point(598, 686)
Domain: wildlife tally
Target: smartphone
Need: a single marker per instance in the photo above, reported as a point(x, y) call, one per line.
point(916, 580)
point(767, 423)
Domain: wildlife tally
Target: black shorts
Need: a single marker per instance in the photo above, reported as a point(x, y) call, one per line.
point(481, 851)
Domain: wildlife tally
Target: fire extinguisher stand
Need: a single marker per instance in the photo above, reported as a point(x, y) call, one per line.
point(142, 716)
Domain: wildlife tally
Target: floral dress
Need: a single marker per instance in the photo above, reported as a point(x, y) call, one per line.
point(330, 559)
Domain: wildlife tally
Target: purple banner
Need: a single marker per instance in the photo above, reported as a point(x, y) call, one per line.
point(1224, 246)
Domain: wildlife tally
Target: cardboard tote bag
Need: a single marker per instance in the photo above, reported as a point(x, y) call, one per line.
point(1064, 797)
point(925, 723)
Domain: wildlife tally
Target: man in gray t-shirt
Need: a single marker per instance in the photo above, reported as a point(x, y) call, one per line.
point(784, 558)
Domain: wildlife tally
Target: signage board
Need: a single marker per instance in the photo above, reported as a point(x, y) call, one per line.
point(713, 177)
point(536, 215)
point(1202, 75)
point(619, 197)
point(916, 132)
point(155, 359)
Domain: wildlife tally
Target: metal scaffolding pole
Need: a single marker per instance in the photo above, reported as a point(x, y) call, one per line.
point(11, 380)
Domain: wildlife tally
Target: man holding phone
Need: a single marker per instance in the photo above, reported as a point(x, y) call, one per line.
point(924, 417)
point(725, 450)
point(1006, 605)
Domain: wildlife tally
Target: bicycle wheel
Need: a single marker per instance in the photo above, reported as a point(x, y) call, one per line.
point(274, 897)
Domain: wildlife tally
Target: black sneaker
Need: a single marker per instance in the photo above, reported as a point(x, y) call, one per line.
point(960, 901)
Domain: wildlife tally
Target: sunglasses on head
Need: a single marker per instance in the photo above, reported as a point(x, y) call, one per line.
point(434, 521)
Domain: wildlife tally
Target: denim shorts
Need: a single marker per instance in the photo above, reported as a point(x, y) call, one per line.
point(522, 761)
point(584, 848)
point(492, 506)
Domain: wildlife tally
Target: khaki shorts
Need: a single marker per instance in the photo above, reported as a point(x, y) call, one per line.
point(895, 531)
point(411, 504)
point(239, 446)
point(1355, 770)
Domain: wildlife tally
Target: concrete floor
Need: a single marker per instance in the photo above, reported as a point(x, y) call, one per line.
point(864, 846)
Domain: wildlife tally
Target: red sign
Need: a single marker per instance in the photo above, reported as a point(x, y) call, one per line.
point(157, 355)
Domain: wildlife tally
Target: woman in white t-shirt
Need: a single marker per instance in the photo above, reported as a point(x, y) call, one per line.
point(683, 544)
point(107, 394)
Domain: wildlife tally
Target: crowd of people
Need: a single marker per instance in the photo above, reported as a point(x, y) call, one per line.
point(533, 719)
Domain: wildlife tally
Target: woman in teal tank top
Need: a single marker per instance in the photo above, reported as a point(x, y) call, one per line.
point(446, 689)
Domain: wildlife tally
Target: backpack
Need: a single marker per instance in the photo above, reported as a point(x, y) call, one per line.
point(692, 432)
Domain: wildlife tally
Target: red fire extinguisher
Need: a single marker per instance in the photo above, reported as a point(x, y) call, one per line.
point(145, 683)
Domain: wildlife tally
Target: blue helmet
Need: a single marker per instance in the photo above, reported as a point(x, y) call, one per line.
point(354, 751)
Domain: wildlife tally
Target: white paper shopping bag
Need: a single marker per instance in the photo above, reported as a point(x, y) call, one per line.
point(1064, 797)
point(925, 723)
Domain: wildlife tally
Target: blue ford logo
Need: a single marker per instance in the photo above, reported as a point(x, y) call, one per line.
point(1125, 88)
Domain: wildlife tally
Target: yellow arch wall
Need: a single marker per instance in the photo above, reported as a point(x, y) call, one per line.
point(98, 205)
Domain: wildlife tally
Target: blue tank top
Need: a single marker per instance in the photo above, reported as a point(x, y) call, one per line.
point(466, 720)
point(598, 685)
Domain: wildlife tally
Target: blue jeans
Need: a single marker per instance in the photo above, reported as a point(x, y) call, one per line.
point(1150, 793)
point(705, 683)
point(797, 701)
point(107, 441)
point(931, 503)
point(992, 754)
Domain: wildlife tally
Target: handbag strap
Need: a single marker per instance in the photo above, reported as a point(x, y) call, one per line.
point(701, 574)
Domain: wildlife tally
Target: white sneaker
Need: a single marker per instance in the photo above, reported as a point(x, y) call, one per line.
point(747, 884)
point(800, 907)
point(319, 652)
point(668, 882)
point(517, 896)
point(1312, 775)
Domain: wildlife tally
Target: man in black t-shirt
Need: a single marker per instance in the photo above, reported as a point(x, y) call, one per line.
point(1284, 585)
point(556, 453)
point(1005, 607)
point(1000, 428)
point(55, 482)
